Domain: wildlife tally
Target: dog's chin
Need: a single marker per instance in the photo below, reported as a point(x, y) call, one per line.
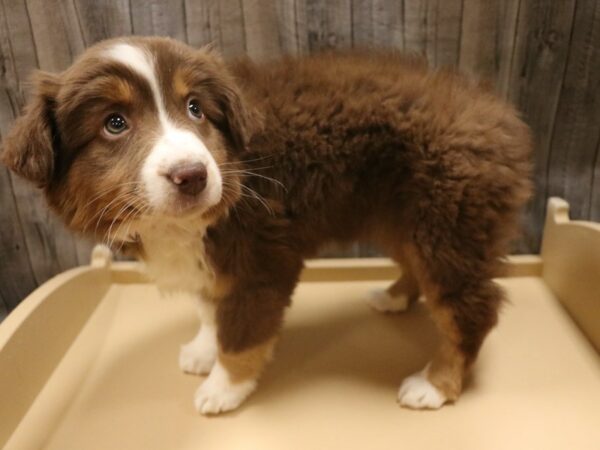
point(181, 207)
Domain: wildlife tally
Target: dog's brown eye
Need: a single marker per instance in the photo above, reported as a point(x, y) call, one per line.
point(194, 109)
point(115, 124)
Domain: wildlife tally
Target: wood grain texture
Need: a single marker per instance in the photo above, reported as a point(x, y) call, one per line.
point(329, 24)
point(232, 36)
point(103, 19)
point(576, 133)
point(16, 274)
point(388, 21)
point(540, 58)
point(487, 39)
point(432, 28)
point(541, 54)
point(160, 18)
point(293, 37)
point(50, 247)
point(202, 22)
point(56, 33)
point(261, 29)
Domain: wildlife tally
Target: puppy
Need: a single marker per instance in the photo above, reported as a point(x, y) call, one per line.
point(223, 177)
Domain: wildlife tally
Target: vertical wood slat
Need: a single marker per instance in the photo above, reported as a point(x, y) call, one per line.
point(432, 28)
point(232, 37)
point(56, 33)
point(202, 23)
point(291, 16)
point(388, 20)
point(377, 23)
point(487, 39)
point(157, 17)
point(102, 19)
point(261, 29)
point(328, 24)
point(576, 134)
point(539, 62)
point(58, 41)
point(50, 247)
point(16, 275)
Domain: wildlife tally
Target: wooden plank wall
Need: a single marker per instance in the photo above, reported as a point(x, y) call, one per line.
point(541, 54)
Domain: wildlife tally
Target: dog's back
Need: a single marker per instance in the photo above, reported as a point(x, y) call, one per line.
point(365, 140)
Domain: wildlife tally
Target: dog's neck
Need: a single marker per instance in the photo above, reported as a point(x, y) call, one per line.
point(174, 254)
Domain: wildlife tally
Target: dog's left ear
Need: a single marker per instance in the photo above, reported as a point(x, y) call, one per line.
point(237, 121)
point(29, 148)
point(237, 118)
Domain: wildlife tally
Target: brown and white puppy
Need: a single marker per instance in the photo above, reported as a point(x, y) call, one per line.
point(224, 177)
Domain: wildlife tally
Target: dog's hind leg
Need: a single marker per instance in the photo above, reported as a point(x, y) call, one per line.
point(464, 317)
point(464, 302)
point(398, 296)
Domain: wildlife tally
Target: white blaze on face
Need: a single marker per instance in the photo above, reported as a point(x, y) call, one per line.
point(175, 146)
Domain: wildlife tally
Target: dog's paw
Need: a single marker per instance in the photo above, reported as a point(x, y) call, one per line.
point(217, 394)
point(199, 355)
point(380, 300)
point(417, 392)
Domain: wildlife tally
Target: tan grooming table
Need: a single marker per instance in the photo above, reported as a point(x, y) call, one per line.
point(89, 361)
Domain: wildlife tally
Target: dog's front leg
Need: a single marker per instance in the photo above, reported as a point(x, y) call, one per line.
point(199, 355)
point(248, 320)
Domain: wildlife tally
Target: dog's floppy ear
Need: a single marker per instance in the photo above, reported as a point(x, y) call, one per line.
point(29, 147)
point(238, 121)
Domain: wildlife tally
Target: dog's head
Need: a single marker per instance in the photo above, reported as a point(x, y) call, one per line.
point(137, 127)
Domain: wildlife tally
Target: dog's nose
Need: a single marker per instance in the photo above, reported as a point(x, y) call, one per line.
point(190, 179)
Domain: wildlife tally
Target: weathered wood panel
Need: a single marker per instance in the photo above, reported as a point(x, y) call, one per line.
point(16, 274)
point(293, 34)
point(102, 19)
point(328, 24)
point(574, 146)
point(157, 17)
point(541, 49)
point(487, 40)
point(232, 36)
point(49, 246)
point(541, 54)
point(261, 28)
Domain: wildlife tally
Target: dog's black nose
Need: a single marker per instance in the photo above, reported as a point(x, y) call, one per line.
point(190, 179)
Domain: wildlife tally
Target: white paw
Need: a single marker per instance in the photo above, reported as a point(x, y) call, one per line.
point(418, 393)
point(199, 355)
point(380, 300)
point(217, 394)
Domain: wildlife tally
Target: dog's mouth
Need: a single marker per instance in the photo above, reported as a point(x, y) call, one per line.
point(185, 203)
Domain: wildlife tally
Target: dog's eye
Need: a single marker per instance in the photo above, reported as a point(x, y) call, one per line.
point(194, 109)
point(115, 124)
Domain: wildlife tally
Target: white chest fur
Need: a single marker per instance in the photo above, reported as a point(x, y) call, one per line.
point(175, 256)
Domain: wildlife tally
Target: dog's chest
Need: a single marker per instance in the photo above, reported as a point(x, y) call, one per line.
point(175, 259)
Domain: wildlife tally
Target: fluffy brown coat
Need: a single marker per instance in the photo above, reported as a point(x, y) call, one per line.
point(336, 147)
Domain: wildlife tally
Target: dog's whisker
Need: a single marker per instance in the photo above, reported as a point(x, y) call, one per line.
point(258, 175)
point(107, 190)
point(245, 161)
point(258, 197)
point(123, 198)
point(118, 197)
